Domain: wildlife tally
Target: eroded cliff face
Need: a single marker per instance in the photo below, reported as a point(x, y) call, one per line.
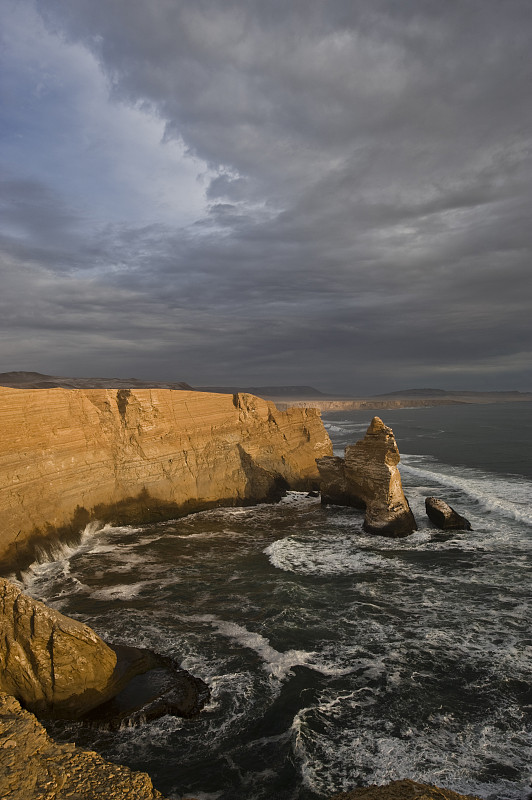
point(68, 456)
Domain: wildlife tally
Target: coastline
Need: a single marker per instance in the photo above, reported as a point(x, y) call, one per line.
point(390, 792)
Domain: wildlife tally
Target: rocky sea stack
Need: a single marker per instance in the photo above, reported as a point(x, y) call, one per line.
point(368, 478)
point(141, 455)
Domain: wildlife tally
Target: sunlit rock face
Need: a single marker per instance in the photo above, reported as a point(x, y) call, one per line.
point(136, 455)
point(51, 663)
point(34, 767)
point(368, 477)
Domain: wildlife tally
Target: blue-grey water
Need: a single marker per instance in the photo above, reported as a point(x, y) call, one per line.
point(335, 658)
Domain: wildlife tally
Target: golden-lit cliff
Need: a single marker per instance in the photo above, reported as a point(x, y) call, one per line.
point(68, 456)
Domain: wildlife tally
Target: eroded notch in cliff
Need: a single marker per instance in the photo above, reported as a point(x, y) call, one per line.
point(122, 400)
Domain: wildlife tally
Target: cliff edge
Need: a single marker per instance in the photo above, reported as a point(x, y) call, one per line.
point(69, 456)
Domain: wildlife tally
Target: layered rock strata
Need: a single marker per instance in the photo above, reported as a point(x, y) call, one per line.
point(34, 767)
point(368, 478)
point(403, 790)
point(444, 516)
point(69, 456)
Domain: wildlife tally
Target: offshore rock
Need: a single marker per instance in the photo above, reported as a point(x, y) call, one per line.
point(34, 767)
point(139, 455)
point(403, 790)
point(368, 478)
point(445, 517)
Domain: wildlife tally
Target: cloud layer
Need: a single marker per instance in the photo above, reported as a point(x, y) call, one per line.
point(329, 193)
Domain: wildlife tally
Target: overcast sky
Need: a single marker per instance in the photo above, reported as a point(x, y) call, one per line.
point(325, 192)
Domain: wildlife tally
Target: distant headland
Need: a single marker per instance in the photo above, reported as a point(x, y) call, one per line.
point(282, 396)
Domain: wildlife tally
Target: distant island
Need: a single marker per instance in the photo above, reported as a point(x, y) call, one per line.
point(282, 396)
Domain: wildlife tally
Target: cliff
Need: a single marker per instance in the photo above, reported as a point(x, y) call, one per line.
point(69, 456)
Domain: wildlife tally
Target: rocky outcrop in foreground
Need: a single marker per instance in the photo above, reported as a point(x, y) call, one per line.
point(135, 455)
point(56, 666)
point(48, 661)
point(444, 516)
point(403, 790)
point(368, 477)
point(34, 767)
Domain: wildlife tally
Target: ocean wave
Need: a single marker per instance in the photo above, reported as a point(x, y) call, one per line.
point(277, 664)
point(338, 744)
point(338, 556)
point(497, 494)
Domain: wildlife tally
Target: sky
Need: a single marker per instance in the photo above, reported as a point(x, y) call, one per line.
point(335, 193)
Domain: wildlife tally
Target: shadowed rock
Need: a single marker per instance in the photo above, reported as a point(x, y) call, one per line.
point(368, 478)
point(445, 517)
point(403, 790)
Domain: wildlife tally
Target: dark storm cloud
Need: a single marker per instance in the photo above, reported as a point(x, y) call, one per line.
point(370, 189)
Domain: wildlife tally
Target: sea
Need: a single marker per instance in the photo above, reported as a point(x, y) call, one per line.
point(335, 658)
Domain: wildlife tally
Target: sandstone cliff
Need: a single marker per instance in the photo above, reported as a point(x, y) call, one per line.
point(68, 456)
point(368, 477)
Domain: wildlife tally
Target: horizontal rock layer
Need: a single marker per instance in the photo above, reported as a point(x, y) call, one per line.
point(68, 456)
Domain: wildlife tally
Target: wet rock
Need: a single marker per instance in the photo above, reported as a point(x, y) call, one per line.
point(368, 478)
point(445, 517)
point(403, 790)
point(158, 686)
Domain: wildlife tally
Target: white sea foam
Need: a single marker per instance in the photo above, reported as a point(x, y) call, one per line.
point(338, 743)
point(277, 664)
point(125, 591)
point(507, 497)
point(323, 556)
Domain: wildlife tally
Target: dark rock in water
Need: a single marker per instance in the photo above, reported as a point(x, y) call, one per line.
point(368, 478)
point(158, 686)
point(445, 517)
point(313, 493)
point(403, 790)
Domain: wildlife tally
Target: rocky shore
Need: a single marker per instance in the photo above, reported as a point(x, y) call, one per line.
point(34, 767)
point(124, 454)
